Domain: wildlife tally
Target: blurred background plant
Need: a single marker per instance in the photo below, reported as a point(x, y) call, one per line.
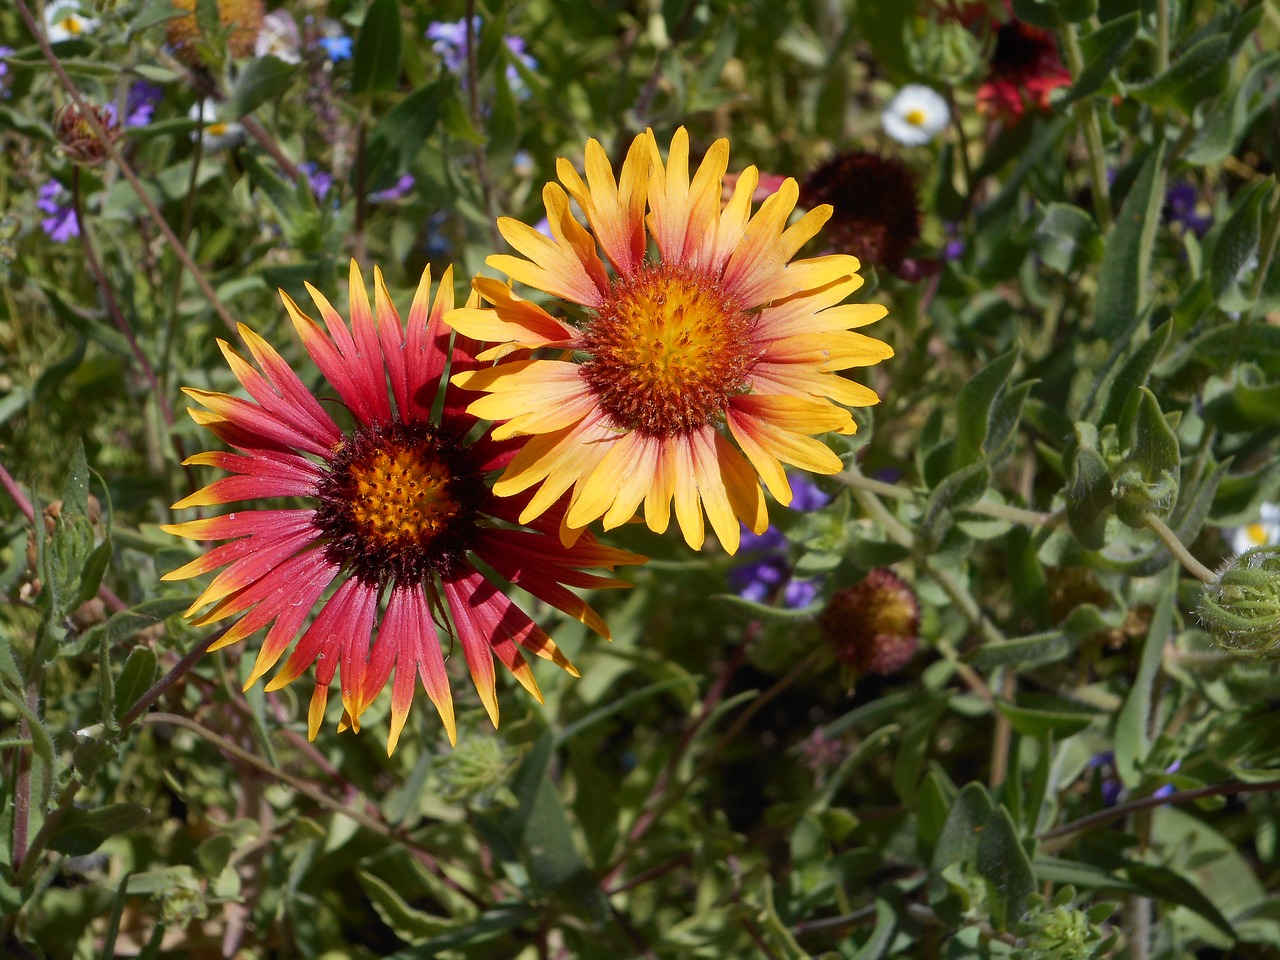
point(970, 697)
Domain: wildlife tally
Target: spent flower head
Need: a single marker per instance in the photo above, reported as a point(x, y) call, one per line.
point(77, 136)
point(875, 206)
point(872, 626)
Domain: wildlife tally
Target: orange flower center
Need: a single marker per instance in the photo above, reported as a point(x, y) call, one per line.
point(666, 351)
point(399, 502)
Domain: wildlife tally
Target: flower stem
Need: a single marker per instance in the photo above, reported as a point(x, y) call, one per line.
point(1087, 115)
point(999, 511)
point(1178, 549)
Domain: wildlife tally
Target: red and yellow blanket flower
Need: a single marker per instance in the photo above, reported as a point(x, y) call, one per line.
point(687, 377)
point(397, 508)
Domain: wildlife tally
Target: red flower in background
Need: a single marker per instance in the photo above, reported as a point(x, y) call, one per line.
point(1025, 68)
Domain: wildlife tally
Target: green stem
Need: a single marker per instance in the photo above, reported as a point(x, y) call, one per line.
point(1179, 549)
point(1162, 36)
point(999, 511)
point(1087, 115)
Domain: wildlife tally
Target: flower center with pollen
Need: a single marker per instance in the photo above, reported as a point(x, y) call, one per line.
point(667, 350)
point(399, 502)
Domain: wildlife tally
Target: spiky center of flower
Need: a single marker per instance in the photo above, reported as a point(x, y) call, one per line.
point(667, 350)
point(399, 502)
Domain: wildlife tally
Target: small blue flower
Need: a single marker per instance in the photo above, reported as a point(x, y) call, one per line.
point(62, 224)
point(318, 180)
point(337, 48)
point(768, 566)
point(398, 191)
point(1181, 203)
point(140, 104)
point(449, 41)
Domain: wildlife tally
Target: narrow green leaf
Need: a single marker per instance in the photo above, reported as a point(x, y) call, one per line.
point(41, 739)
point(1122, 278)
point(135, 679)
point(974, 405)
point(113, 923)
point(1165, 884)
point(1038, 648)
point(401, 132)
point(1032, 722)
point(1235, 254)
point(263, 78)
point(1201, 72)
point(1003, 861)
point(1103, 49)
point(485, 928)
point(1065, 237)
point(1089, 497)
point(1120, 388)
point(83, 830)
point(409, 923)
point(1232, 117)
point(1133, 733)
point(377, 56)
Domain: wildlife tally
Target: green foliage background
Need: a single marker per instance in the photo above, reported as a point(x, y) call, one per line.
point(1081, 404)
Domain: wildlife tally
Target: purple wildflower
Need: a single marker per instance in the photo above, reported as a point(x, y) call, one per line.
point(1181, 203)
point(768, 566)
point(449, 41)
point(336, 48)
point(4, 70)
point(140, 104)
point(397, 192)
point(62, 224)
point(320, 181)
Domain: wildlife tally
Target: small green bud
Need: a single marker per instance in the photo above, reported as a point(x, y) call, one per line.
point(1241, 609)
point(944, 52)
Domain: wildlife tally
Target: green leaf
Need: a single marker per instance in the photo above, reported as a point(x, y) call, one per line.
point(1089, 498)
point(1117, 390)
point(974, 405)
point(123, 624)
point(1133, 734)
point(1122, 278)
point(401, 132)
point(1033, 722)
point(1149, 485)
point(1165, 884)
point(1232, 117)
point(95, 568)
point(409, 924)
point(135, 679)
point(263, 78)
point(376, 59)
point(1065, 238)
point(1201, 72)
point(933, 803)
point(750, 610)
point(1003, 861)
point(962, 831)
point(1039, 648)
point(1235, 254)
point(1102, 49)
point(41, 739)
point(485, 928)
point(83, 830)
point(599, 715)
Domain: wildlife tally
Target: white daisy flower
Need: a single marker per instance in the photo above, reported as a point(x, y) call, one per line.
point(915, 115)
point(216, 134)
point(1264, 533)
point(63, 20)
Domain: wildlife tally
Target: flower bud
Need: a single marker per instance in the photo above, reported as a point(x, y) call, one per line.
point(79, 139)
point(872, 626)
point(945, 52)
point(1241, 608)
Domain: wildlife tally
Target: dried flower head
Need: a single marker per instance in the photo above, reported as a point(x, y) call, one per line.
point(80, 141)
point(872, 626)
point(876, 210)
